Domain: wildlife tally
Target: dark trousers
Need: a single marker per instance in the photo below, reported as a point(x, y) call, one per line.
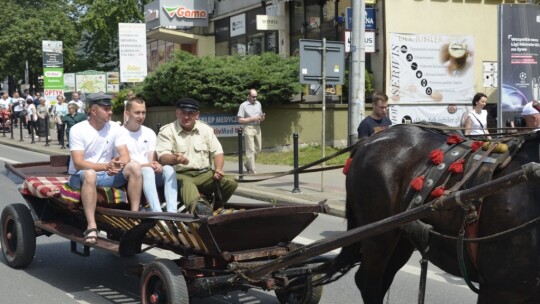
point(60, 132)
point(192, 183)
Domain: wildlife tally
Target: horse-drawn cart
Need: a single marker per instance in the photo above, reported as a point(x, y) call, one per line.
point(235, 238)
point(248, 246)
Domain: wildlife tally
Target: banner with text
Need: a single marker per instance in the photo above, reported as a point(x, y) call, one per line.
point(519, 72)
point(431, 68)
point(449, 115)
point(225, 125)
point(53, 70)
point(132, 47)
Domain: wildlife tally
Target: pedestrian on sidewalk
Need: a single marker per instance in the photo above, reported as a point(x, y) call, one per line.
point(30, 116)
point(72, 118)
point(250, 115)
point(17, 105)
point(378, 119)
point(60, 110)
point(141, 144)
point(42, 119)
point(80, 104)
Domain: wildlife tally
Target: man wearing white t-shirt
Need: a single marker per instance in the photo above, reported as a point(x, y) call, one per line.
point(78, 102)
point(141, 143)
point(17, 104)
point(92, 143)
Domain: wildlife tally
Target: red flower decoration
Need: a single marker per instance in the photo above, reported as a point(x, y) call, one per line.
point(454, 139)
point(436, 156)
point(457, 166)
point(476, 145)
point(347, 165)
point(417, 183)
point(438, 191)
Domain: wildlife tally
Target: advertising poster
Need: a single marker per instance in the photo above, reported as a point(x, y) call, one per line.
point(225, 125)
point(132, 48)
point(431, 68)
point(69, 82)
point(113, 82)
point(449, 115)
point(91, 82)
point(519, 72)
point(53, 83)
point(52, 54)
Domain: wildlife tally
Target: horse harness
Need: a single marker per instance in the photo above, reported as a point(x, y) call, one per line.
point(479, 166)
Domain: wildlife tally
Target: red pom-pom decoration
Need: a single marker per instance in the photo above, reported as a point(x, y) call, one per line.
point(417, 183)
point(476, 145)
point(457, 166)
point(437, 191)
point(436, 156)
point(454, 139)
point(347, 165)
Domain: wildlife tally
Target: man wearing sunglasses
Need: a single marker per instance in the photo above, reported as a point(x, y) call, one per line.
point(250, 115)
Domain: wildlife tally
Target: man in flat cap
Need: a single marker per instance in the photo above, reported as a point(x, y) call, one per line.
point(191, 145)
point(92, 143)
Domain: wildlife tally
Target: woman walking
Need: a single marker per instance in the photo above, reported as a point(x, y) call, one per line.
point(42, 123)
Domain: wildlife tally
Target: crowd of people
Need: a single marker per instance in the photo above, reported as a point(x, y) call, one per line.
point(36, 114)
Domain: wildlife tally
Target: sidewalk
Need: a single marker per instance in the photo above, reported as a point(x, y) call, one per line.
point(275, 190)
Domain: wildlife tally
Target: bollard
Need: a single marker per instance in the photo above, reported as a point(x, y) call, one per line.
point(158, 126)
point(32, 135)
point(11, 127)
point(47, 128)
point(21, 130)
point(240, 145)
point(3, 125)
point(296, 188)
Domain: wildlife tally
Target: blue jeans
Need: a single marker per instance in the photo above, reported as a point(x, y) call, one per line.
point(151, 181)
point(102, 180)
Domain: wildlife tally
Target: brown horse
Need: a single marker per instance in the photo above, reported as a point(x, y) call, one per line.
point(378, 186)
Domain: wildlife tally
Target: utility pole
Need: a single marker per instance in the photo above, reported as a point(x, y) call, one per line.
point(357, 70)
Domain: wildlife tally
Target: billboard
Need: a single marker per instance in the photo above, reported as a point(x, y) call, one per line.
point(53, 70)
point(431, 68)
point(132, 48)
point(519, 51)
point(91, 82)
point(449, 115)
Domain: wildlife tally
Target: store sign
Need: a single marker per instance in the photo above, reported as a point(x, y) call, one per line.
point(176, 14)
point(369, 42)
point(369, 19)
point(238, 25)
point(224, 125)
point(270, 23)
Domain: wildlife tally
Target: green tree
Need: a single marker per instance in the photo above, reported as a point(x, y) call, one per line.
point(222, 81)
point(28, 24)
point(99, 27)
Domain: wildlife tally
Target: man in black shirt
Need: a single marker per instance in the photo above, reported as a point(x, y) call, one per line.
point(378, 120)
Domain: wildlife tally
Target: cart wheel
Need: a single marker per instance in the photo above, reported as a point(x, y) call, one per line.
point(18, 235)
point(162, 281)
point(301, 291)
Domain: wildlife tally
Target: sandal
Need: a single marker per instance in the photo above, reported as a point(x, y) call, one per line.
point(90, 239)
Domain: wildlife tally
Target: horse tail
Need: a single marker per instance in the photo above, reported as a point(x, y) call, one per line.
point(347, 259)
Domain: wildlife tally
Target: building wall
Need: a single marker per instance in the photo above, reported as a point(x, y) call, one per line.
point(280, 124)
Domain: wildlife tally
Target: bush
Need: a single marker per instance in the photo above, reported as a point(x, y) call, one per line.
point(222, 82)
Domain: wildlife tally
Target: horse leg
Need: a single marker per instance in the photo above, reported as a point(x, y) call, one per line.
point(400, 256)
point(374, 275)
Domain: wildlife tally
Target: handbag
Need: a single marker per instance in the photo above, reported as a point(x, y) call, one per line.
point(58, 120)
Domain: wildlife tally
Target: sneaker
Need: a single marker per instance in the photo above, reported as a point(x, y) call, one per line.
point(248, 170)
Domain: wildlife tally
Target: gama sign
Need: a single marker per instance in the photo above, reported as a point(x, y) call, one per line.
point(176, 14)
point(183, 12)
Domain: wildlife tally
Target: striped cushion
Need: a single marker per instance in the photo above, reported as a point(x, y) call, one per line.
point(57, 187)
